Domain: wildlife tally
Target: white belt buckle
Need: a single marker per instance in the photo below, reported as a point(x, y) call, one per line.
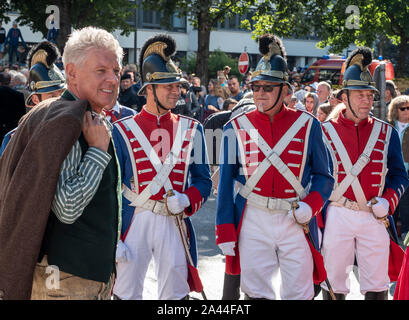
point(159, 208)
point(271, 203)
point(156, 208)
point(352, 205)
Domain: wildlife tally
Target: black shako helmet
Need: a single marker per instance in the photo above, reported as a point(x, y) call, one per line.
point(357, 75)
point(155, 63)
point(44, 76)
point(273, 65)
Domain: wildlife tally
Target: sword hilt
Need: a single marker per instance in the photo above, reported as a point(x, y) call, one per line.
point(384, 219)
point(170, 193)
point(294, 206)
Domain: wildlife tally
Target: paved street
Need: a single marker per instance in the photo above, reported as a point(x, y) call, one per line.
point(211, 261)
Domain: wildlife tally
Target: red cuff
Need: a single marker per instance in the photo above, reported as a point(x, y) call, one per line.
point(196, 200)
point(393, 199)
point(225, 233)
point(314, 200)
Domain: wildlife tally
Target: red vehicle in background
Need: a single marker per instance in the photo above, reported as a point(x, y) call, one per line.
point(332, 68)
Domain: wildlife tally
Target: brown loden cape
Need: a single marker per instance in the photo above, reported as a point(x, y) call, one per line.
point(29, 170)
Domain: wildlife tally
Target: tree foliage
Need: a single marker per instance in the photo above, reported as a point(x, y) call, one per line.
point(280, 17)
point(339, 23)
point(4, 8)
point(217, 60)
point(204, 15)
point(107, 14)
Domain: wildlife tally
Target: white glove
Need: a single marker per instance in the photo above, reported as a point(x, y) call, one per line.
point(228, 248)
point(178, 202)
point(381, 208)
point(303, 213)
point(122, 252)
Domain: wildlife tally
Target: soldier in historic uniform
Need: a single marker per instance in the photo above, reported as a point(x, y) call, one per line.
point(116, 111)
point(45, 79)
point(166, 179)
point(277, 157)
point(370, 179)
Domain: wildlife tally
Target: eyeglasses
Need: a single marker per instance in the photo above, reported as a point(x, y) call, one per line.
point(266, 88)
point(404, 108)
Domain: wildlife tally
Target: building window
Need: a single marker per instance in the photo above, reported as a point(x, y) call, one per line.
point(178, 23)
point(149, 19)
point(234, 22)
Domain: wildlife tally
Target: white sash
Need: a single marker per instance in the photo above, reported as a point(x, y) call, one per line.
point(273, 155)
point(163, 169)
point(352, 171)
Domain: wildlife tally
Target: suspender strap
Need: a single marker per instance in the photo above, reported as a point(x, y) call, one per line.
point(273, 155)
point(162, 177)
point(353, 170)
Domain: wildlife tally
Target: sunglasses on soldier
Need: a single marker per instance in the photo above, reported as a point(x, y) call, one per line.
point(266, 88)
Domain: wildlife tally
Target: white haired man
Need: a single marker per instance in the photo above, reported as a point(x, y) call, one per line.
point(323, 92)
point(64, 148)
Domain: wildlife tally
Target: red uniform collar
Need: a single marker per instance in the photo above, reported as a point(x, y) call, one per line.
point(278, 116)
point(155, 118)
point(347, 122)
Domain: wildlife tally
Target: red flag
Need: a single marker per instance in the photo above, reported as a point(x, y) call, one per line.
point(396, 256)
point(402, 286)
point(193, 279)
point(319, 273)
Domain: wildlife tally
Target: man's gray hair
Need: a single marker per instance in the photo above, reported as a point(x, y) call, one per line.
point(82, 40)
point(325, 84)
point(19, 78)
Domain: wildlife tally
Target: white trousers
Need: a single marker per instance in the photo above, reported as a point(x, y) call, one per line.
point(349, 233)
point(269, 242)
point(154, 235)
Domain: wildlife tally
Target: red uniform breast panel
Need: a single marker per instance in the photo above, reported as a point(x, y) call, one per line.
point(272, 183)
point(354, 138)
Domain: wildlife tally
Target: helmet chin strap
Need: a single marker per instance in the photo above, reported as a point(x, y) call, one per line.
point(158, 104)
point(278, 98)
point(350, 107)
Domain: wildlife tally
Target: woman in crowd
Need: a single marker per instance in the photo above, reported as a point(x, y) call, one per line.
point(212, 100)
point(311, 103)
point(323, 111)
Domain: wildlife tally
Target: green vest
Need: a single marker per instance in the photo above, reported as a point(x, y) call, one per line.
point(87, 247)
